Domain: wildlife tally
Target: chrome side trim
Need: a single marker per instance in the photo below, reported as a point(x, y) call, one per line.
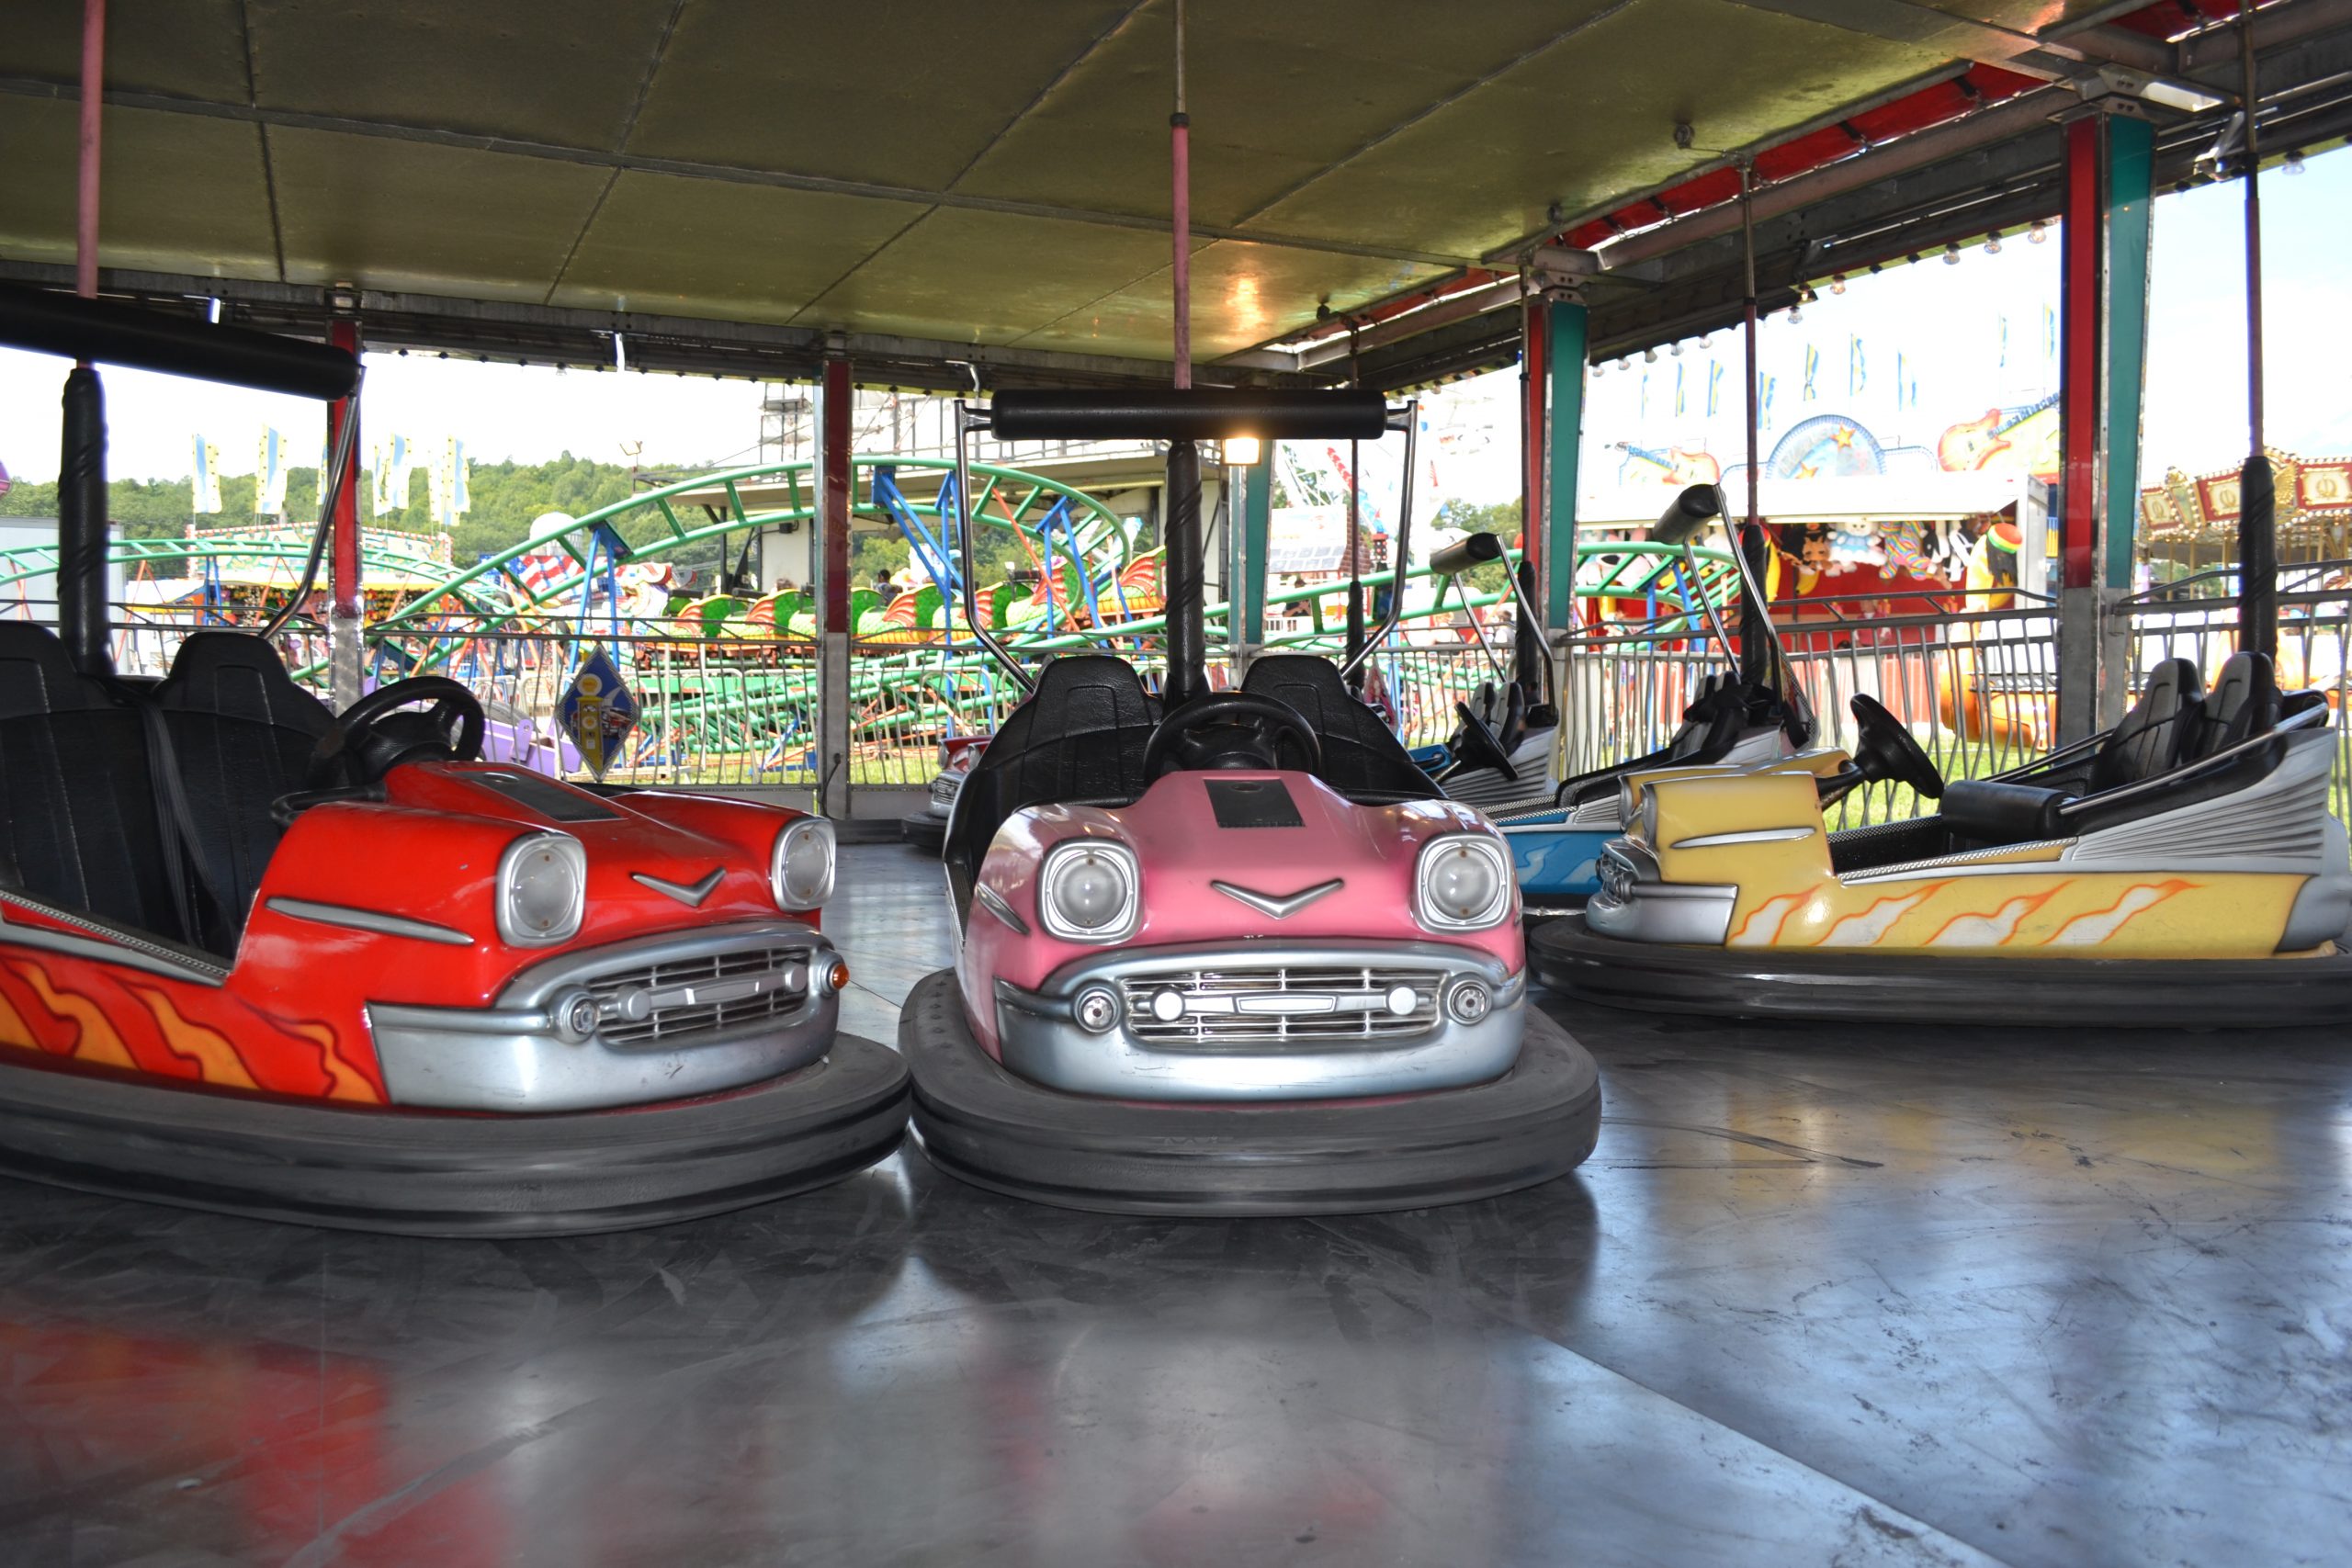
point(105, 943)
point(996, 904)
point(690, 894)
point(1279, 906)
point(370, 921)
point(1748, 836)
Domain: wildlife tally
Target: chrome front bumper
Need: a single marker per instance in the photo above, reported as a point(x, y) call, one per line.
point(1635, 905)
point(660, 1018)
point(1273, 1021)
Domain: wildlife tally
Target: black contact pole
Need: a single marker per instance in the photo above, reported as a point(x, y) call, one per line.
point(82, 525)
point(1527, 640)
point(1187, 642)
point(1355, 536)
point(1187, 662)
point(82, 447)
point(2257, 487)
point(1755, 640)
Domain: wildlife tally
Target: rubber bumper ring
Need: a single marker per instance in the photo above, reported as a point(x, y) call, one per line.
point(1573, 960)
point(983, 1125)
point(925, 831)
point(431, 1173)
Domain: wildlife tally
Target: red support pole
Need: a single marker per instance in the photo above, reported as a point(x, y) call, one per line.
point(2081, 291)
point(1535, 382)
point(1180, 157)
point(94, 62)
point(344, 584)
point(834, 463)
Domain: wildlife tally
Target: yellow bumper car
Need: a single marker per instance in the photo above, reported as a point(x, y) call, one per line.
point(2182, 870)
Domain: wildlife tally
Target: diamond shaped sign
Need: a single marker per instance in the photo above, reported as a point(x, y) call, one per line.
point(597, 710)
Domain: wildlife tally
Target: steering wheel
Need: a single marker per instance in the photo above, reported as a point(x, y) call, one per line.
point(1474, 746)
point(371, 737)
point(1228, 730)
point(1888, 752)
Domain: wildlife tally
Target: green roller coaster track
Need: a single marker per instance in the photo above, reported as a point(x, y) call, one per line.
point(731, 704)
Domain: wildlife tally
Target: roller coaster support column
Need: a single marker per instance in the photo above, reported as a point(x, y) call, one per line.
point(345, 590)
point(2103, 321)
point(1552, 427)
point(1251, 487)
point(833, 627)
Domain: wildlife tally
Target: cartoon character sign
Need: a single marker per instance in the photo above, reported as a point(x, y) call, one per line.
point(598, 710)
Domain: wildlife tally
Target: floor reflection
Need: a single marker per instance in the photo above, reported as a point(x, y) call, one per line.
point(1933, 1296)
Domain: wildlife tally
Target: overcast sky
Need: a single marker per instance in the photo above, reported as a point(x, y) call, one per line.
point(1940, 319)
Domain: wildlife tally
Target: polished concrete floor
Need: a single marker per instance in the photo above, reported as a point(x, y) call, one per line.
point(1919, 1297)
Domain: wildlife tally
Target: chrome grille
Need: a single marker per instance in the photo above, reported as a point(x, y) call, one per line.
point(1214, 1000)
point(1618, 873)
point(708, 995)
point(944, 788)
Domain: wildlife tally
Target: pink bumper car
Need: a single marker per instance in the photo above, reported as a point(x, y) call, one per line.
point(1230, 953)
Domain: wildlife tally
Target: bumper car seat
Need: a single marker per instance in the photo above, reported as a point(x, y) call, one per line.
point(80, 826)
point(241, 733)
point(1363, 758)
point(1078, 741)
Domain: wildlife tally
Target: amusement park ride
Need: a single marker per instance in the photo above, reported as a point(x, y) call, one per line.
point(1220, 949)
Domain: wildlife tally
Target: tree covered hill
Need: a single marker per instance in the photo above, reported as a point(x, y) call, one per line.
point(506, 497)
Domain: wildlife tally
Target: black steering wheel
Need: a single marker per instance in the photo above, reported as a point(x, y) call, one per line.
point(1474, 746)
point(1228, 730)
point(371, 737)
point(1887, 752)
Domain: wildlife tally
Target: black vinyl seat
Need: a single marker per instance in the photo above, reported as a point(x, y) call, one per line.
point(240, 736)
point(2159, 732)
point(1717, 717)
point(2244, 703)
point(80, 823)
point(1078, 740)
point(1363, 758)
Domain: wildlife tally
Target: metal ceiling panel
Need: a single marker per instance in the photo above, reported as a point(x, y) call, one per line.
point(1242, 295)
point(695, 248)
point(988, 277)
point(540, 69)
point(906, 93)
point(193, 48)
point(185, 195)
point(1592, 118)
point(399, 215)
point(1277, 93)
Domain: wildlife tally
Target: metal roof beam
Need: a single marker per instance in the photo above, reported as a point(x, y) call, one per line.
point(550, 335)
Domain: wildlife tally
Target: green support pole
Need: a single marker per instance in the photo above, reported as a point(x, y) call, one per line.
point(1256, 510)
point(2130, 193)
point(1563, 433)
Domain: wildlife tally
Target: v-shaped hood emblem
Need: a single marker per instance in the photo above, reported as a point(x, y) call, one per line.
point(1283, 907)
point(690, 894)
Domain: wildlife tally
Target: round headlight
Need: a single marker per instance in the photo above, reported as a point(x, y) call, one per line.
point(1086, 891)
point(1628, 800)
point(1464, 884)
point(542, 890)
point(1645, 821)
point(801, 872)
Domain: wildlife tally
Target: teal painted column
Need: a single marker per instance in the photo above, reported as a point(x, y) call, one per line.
point(1255, 508)
point(1567, 332)
point(2130, 201)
